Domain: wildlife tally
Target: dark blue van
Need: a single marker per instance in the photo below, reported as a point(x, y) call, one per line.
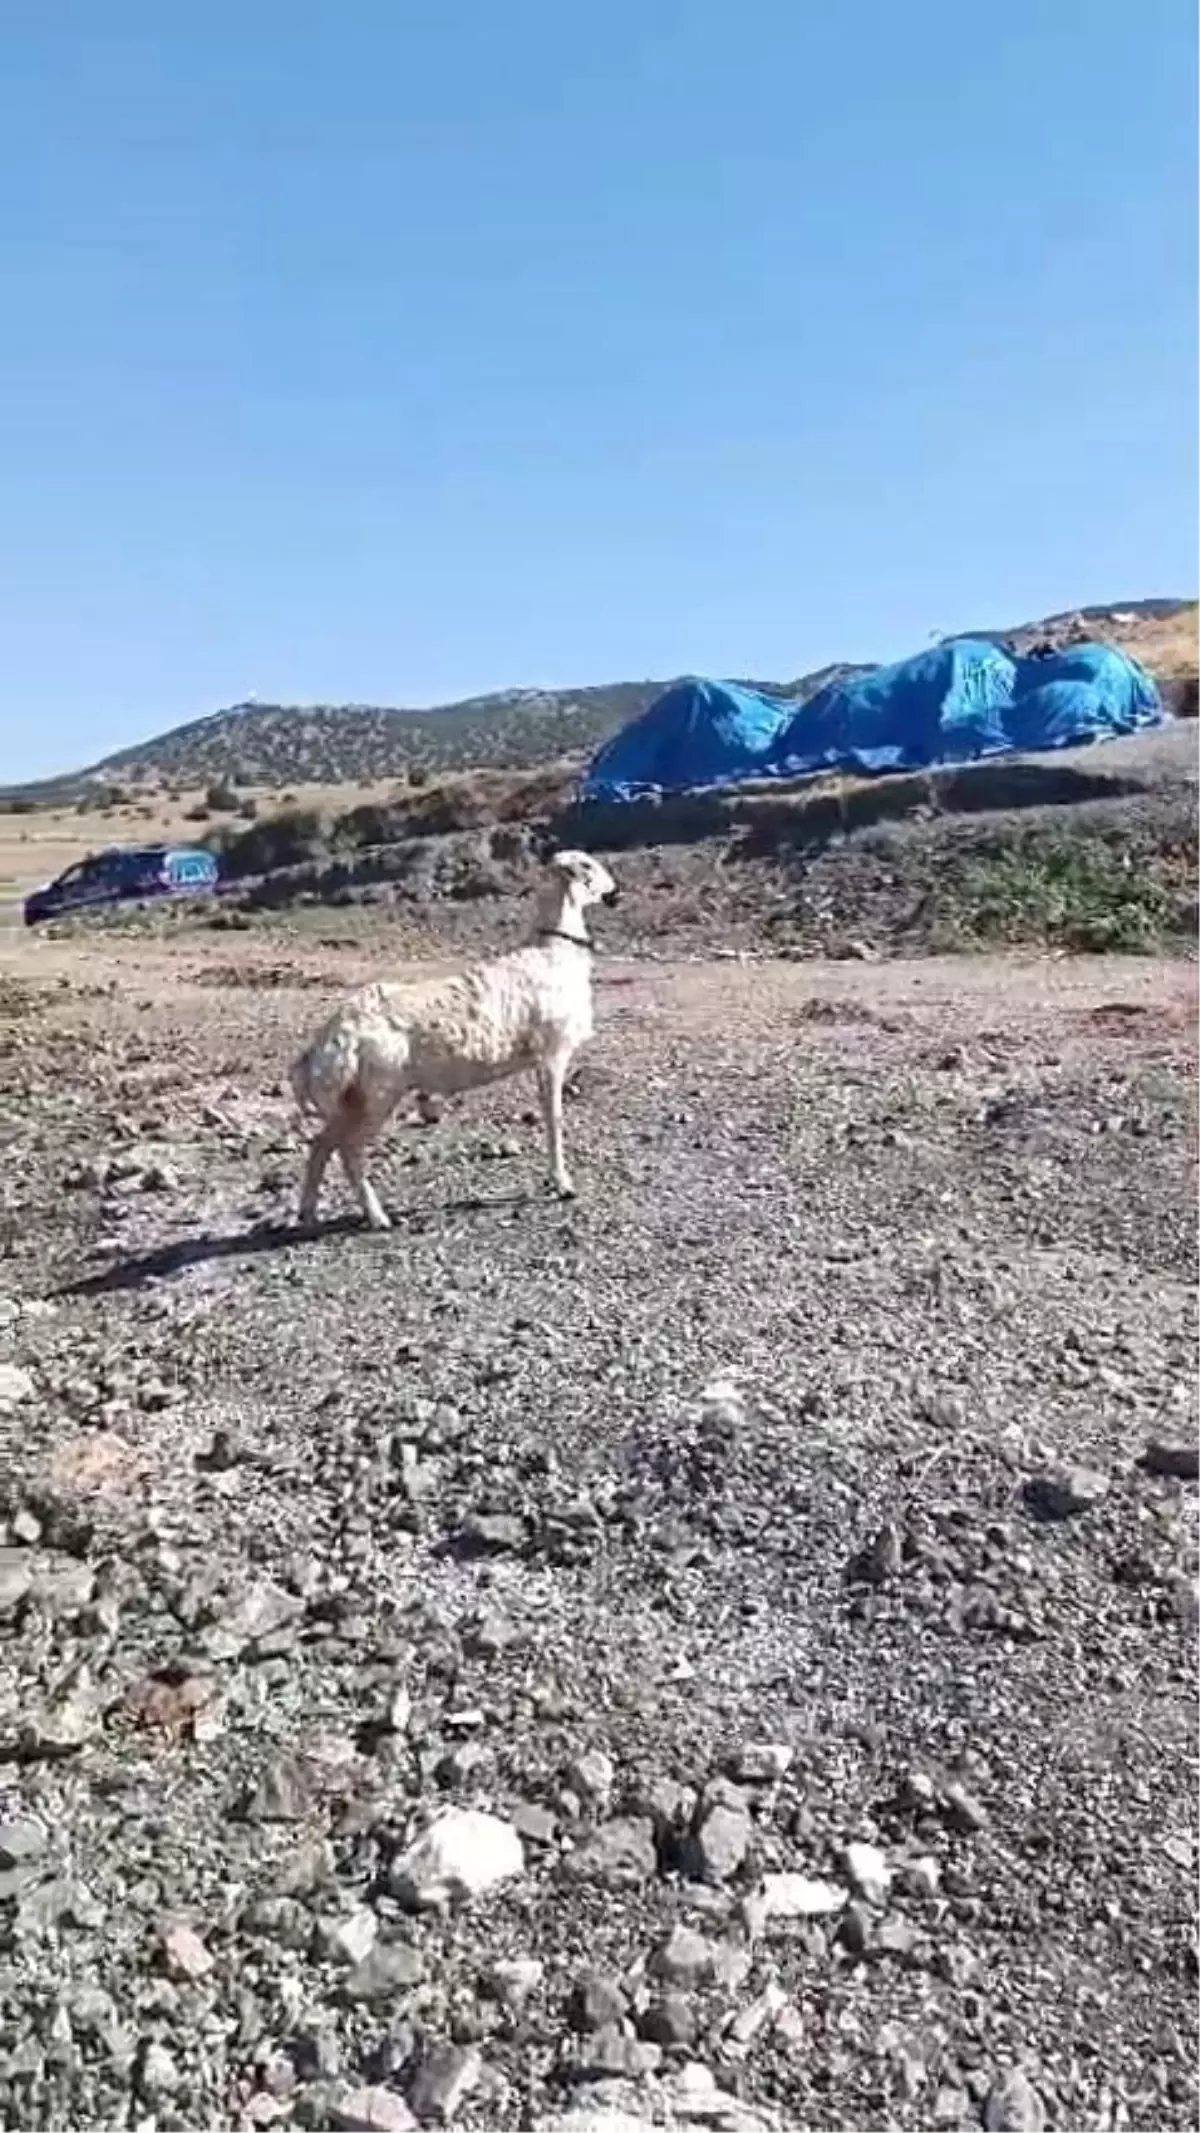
point(125, 874)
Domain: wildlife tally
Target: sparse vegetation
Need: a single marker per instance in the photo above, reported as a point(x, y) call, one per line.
point(282, 746)
point(1067, 891)
point(101, 798)
point(287, 839)
point(1115, 876)
point(477, 801)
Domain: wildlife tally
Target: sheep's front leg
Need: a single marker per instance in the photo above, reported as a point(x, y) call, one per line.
point(352, 1149)
point(321, 1149)
point(551, 1076)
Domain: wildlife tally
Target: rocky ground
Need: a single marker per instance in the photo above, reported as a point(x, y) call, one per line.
point(718, 1654)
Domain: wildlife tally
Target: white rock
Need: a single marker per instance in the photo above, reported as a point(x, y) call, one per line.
point(443, 2082)
point(350, 1940)
point(158, 2074)
point(868, 1871)
point(1013, 2105)
point(684, 1958)
point(924, 1875)
point(799, 1896)
point(587, 2117)
point(15, 1385)
point(371, 2111)
point(69, 1723)
point(462, 1854)
point(695, 2081)
point(185, 1954)
point(289, 1991)
point(16, 1577)
point(514, 1978)
point(761, 1762)
point(747, 2023)
point(695, 2100)
point(593, 1774)
point(723, 1403)
point(258, 1611)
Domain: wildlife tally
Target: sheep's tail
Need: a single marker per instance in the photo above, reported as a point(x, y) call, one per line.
point(300, 1076)
point(326, 1078)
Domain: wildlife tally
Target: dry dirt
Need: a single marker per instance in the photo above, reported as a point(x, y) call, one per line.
point(306, 1540)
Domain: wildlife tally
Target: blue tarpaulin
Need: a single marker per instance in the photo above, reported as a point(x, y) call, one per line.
point(956, 703)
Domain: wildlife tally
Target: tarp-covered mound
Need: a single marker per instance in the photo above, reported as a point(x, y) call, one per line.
point(953, 704)
point(695, 733)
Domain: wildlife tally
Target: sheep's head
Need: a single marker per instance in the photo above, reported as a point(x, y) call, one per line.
point(583, 878)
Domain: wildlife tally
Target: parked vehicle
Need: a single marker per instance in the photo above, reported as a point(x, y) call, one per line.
point(125, 874)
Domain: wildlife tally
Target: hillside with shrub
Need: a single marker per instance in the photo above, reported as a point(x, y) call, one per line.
point(277, 746)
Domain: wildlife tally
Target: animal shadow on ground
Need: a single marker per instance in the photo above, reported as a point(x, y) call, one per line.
point(133, 1272)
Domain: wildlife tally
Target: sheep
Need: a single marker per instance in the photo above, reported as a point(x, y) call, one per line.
point(527, 1012)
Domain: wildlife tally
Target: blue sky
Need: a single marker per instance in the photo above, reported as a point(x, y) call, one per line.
point(392, 350)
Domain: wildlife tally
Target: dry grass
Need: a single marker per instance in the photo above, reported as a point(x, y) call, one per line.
point(36, 845)
point(1166, 645)
point(478, 797)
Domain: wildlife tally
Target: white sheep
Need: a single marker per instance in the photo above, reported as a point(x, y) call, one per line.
point(527, 1012)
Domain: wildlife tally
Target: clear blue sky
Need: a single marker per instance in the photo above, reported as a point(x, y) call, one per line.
point(399, 349)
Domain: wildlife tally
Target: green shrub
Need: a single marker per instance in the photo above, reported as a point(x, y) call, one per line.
point(1068, 891)
point(287, 839)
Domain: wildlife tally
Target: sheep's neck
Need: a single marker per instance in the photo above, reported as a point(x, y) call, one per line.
point(563, 921)
point(577, 940)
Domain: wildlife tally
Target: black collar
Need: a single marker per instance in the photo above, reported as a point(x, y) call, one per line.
point(555, 933)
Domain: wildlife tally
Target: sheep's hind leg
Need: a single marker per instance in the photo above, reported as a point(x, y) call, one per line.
point(320, 1150)
point(359, 1120)
point(551, 1077)
point(352, 1149)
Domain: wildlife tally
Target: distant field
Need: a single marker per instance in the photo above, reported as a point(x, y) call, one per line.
point(36, 846)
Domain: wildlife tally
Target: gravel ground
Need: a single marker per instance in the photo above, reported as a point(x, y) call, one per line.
point(772, 1576)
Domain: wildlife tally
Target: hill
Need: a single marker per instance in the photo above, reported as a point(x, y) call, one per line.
point(280, 745)
point(276, 745)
